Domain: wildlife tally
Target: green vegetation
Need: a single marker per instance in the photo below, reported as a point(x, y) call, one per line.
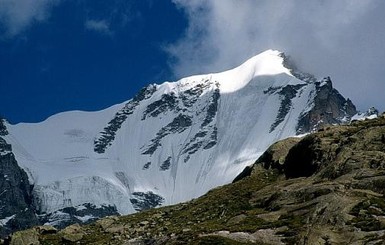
point(216, 240)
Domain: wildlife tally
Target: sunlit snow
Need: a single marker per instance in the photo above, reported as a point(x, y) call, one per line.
point(58, 153)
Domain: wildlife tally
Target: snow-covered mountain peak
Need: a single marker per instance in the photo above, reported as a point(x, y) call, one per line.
point(173, 141)
point(269, 62)
point(264, 65)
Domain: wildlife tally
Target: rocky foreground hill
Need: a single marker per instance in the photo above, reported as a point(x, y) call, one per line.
point(325, 188)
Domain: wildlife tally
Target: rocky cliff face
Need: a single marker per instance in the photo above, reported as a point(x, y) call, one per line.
point(17, 207)
point(330, 108)
point(325, 188)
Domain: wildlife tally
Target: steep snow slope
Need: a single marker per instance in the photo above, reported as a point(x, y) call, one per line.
point(171, 142)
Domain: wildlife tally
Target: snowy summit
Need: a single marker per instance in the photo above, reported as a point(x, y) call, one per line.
point(174, 141)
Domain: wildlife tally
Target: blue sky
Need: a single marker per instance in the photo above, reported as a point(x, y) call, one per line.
point(86, 55)
point(60, 55)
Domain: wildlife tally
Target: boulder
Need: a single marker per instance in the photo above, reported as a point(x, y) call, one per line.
point(27, 237)
point(72, 233)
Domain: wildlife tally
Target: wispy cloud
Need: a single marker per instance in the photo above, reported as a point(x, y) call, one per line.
point(17, 15)
point(344, 39)
point(101, 26)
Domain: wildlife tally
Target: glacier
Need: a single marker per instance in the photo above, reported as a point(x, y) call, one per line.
point(172, 142)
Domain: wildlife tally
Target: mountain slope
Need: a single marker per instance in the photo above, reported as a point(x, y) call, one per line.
point(172, 142)
point(17, 208)
point(339, 199)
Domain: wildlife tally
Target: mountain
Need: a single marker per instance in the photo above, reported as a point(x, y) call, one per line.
point(324, 188)
point(17, 210)
point(170, 143)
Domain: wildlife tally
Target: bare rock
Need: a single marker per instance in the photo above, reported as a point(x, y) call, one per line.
point(27, 237)
point(267, 236)
point(46, 229)
point(72, 233)
point(115, 229)
point(236, 219)
point(106, 222)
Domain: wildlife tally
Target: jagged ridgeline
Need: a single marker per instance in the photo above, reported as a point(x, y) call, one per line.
point(171, 142)
point(323, 188)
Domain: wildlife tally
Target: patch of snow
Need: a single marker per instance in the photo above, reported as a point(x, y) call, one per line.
point(363, 116)
point(85, 218)
point(3, 153)
point(80, 207)
point(4, 221)
point(57, 218)
point(323, 83)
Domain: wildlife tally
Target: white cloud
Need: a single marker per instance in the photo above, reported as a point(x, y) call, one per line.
point(344, 39)
point(17, 15)
point(101, 26)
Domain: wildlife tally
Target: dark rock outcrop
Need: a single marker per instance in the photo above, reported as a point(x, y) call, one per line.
point(107, 136)
point(3, 128)
point(329, 108)
point(83, 214)
point(146, 200)
point(166, 164)
point(286, 94)
point(17, 207)
point(167, 102)
point(207, 128)
point(178, 125)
